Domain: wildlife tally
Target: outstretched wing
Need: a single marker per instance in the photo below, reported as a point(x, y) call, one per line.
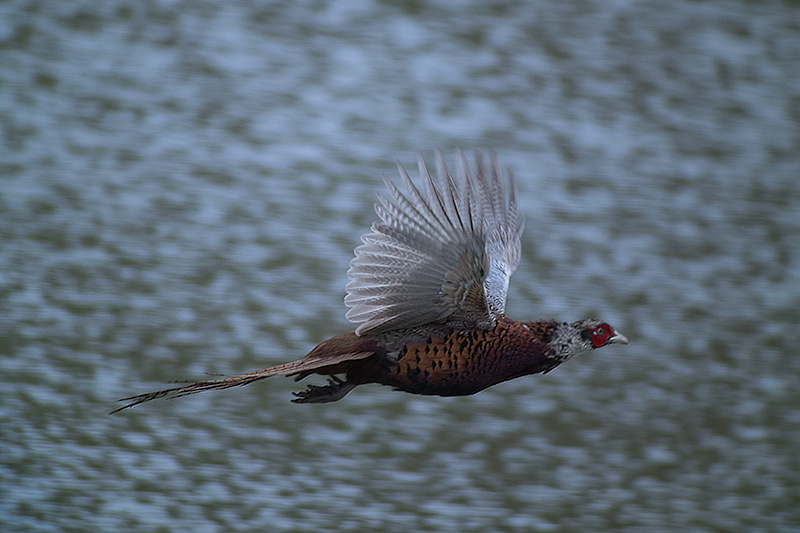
point(443, 254)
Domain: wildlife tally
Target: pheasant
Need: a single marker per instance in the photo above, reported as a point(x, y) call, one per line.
point(427, 289)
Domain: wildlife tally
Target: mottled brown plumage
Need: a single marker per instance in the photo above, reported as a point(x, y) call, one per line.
point(428, 288)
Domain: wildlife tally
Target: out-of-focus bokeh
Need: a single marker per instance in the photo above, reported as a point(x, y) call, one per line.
point(181, 188)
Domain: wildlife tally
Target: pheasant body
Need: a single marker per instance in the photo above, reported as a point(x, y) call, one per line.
point(428, 288)
point(464, 362)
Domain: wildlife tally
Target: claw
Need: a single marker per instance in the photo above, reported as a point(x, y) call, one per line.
point(336, 389)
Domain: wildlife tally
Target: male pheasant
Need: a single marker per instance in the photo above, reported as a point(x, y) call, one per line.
point(427, 289)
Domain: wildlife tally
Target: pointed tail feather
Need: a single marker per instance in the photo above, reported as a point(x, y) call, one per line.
point(306, 365)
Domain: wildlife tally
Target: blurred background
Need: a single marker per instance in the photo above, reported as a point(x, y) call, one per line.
point(181, 188)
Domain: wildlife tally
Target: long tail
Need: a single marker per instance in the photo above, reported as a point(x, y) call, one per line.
point(306, 365)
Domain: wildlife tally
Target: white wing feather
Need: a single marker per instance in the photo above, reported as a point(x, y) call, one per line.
point(443, 254)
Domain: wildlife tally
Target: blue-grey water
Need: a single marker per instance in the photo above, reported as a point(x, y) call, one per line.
point(181, 188)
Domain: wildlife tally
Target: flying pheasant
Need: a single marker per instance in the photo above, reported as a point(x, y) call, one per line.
point(427, 289)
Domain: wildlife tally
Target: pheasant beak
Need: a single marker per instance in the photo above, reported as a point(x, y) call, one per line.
point(618, 338)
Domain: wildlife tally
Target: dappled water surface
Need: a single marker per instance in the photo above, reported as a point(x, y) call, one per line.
point(181, 188)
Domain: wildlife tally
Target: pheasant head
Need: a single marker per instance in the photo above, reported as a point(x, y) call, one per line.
point(575, 338)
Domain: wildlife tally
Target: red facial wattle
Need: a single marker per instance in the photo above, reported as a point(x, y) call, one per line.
point(601, 335)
